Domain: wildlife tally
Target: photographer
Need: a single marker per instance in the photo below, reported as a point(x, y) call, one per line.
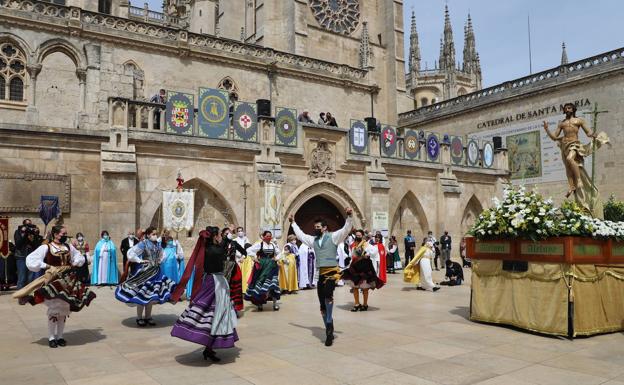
point(27, 239)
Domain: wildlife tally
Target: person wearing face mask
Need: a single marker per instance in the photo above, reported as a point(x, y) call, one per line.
point(147, 285)
point(172, 265)
point(264, 283)
point(105, 271)
point(361, 273)
point(325, 245)
point(59, 287)
point(83, 247)
point(126, 244)
point(245, 262)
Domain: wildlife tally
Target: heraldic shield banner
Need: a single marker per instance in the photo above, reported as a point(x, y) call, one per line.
point(49, 208)
point(178, 210)
point(245, 122)
point(4, 237)
point(286, 126)
point(433, 148)
point(457, 150)
point(412, 147)
point(180, 113)
point(213, 113)
point(358, 137)
point(388, 141)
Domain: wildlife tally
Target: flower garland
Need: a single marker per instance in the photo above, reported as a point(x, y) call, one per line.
point(526, 214)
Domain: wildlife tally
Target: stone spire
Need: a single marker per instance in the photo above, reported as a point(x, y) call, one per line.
point(470, 50)
point(414, 50)
point(564, 54)
point(366, 54)
point(447, 56)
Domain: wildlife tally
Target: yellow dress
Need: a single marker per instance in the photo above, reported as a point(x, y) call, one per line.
point(282, 276)
point(291, 271)
point(411, 273)
point(246, 269)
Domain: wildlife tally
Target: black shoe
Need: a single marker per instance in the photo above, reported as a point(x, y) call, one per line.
point(356, 308)
point(329, 332)
point(259, 307)
point(52, 344)
point(276, 307)
point(210, 354)
point(364, 308)
point(61, 342)
point(420, 288)
point(436, 288)
point(141, 322)
point(150, 322)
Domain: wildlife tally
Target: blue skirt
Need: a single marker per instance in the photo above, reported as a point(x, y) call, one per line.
point(147, 285)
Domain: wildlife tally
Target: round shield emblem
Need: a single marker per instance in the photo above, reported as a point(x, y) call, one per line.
point(457, 150)
point(286, 127)
point(412, 147)
point(213, 109)
point(178, 209)
point(488, 155)
point(473, 152)
point(433, 147)
point(388, 141)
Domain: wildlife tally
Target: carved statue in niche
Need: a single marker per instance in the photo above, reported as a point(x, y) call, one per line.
point(321, 162)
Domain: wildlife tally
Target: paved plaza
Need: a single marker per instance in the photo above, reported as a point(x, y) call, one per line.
point(406, 337)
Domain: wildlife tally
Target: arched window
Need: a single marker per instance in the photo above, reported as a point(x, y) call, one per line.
point(104, 6)
point(12, 72)
point(138, 80)
point(227, 84)
point(424, 102)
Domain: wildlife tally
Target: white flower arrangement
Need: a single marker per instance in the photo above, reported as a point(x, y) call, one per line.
point(525, 214)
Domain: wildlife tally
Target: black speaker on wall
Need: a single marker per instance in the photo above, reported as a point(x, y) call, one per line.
point(498, 142)
point(264, 107)
point(371, 124)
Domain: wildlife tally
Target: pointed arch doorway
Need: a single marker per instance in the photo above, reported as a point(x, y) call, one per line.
point(318, 207)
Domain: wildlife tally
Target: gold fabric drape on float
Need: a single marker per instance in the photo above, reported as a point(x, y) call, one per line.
point(538, 298)
point(535, 300)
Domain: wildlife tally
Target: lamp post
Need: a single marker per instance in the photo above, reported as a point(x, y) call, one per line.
point(245, 186)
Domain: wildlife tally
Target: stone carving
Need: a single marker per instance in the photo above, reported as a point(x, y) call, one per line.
point(339, 16)
point(321, 162)
point(21, 191)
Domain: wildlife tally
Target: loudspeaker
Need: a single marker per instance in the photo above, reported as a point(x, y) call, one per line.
point(371, 124)
point(264, 107)
point(498, 142)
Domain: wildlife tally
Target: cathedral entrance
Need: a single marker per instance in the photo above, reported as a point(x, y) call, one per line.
point(318, 207)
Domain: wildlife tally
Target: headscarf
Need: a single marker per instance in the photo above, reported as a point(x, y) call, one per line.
point(195, 262)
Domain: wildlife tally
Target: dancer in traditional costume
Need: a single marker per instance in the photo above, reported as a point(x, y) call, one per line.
point(288, 271)
point(105, 270)
point(82, 246)
point(381, 258)
point(232, 271)
point(393, 258)
point(361, 274)
point(210, 319)
point(59, 287)
point(325, 246)
point(264, 283)
point(146, 285)
point(245, 262)
point(418, 270)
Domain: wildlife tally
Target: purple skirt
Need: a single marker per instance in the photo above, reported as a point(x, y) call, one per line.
point(195, 323)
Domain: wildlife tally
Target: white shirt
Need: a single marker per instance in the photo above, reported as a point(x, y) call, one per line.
point(34, 260)
point(135, 254)
point(337, 236)
point(253, 250)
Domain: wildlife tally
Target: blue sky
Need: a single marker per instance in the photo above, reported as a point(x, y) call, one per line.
point(587, 27)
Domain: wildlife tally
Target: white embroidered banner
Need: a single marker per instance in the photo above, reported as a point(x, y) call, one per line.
point(272, 208)
point(178, 210)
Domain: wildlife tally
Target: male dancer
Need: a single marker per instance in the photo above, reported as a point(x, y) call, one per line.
point(325, 245)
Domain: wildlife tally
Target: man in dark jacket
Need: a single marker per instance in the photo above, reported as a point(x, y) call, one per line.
point(410, 245)
point(454, 274)
point(127, 244)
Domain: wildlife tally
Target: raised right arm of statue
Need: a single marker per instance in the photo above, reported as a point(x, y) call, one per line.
point(306, 239)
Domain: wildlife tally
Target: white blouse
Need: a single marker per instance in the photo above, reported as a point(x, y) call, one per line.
point(34, 260)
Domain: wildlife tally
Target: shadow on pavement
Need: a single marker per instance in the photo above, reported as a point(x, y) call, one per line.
point(78, 337)
point(162, 321)
point(196, 359)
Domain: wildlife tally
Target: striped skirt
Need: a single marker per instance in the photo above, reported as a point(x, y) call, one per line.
point(210, 319)
point(67, 288)
point(264, 283)
point(146, 286)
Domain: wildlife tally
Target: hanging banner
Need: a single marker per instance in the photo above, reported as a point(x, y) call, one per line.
point(412, 147)
point(286, 126)
point(457, 150)
point(388, 141)
point(433, 147)
point(49, 208)
point(488, 154)
point(178, 210)
point(180, 113)
point(358, 137)
point(245, 122)
point(472, 151)
point(213, 113)
point(272, 211)
point(4, 237)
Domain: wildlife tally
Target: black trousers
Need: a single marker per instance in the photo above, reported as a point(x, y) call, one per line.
point(325, 291)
